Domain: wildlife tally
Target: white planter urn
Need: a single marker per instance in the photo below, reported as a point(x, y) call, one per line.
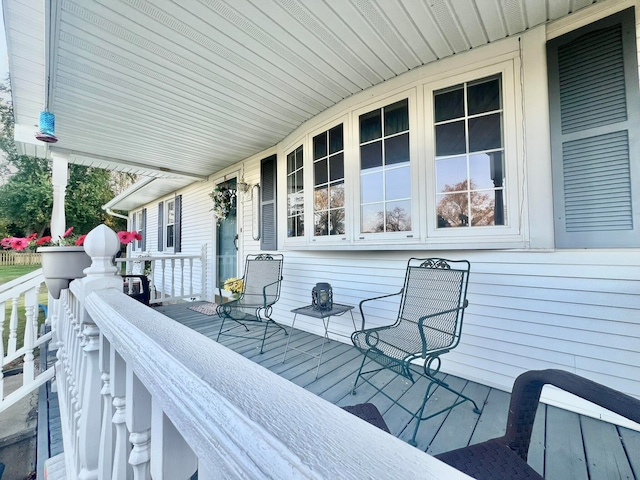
point(61, 265)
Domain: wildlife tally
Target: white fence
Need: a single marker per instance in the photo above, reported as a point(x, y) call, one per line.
point(171, 277)
point(20, 349)
point(142, 397)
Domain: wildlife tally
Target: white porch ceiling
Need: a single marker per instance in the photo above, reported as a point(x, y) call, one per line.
point(186, 88)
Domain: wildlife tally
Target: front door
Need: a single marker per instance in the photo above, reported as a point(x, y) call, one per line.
point(227, 238)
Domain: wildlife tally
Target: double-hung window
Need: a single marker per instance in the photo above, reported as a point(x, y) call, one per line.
point(170, 223)
point(139, 224)
point(385, 170)
point(469, 148)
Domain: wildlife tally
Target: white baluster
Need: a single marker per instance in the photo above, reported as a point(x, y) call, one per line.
point(191, 290)
point(139, 424)
point(182, 277)
point(171, 457)
point(13, 327)
point(105, 462)
point(173, 277)
point(121, 449)
point(3, 307)
point(28, 369)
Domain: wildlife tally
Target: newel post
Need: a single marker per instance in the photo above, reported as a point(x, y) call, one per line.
point(101, 245)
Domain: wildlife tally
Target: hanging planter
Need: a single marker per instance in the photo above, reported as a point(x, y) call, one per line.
point(61, 265)
point(224, 202)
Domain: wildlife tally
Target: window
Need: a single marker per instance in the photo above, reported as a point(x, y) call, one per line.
point(295, 194)
point(139, 224)
point(385, 173)
point(268, 211)
point(170, 223)
point(469, 163)
point(328, 182)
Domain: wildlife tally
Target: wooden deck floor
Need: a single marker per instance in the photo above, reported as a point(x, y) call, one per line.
point(564, 445)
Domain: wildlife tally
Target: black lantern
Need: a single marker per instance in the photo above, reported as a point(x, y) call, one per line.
point(322, 297)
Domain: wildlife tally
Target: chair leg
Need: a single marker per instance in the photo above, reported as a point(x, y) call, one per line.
point(355, 384)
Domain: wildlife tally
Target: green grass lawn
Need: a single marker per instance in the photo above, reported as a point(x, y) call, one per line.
point(11, 272)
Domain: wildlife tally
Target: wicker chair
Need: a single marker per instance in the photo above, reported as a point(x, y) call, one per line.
point(506, 457)
point(260, 291)
point(429, 324)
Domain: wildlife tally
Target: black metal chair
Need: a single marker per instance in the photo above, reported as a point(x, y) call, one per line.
point(429, 324)
point(260, 291)
point(137, 287)
point(505, 458)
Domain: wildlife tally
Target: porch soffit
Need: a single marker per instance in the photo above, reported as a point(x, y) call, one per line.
point(164, 87)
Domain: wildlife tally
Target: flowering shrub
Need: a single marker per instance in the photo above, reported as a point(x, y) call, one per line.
point(68, 238)
point(233, 285)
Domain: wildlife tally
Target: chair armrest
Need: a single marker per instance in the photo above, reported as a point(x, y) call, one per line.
point(526, 395)
point(264, 290)
point(374, 298)
point(437, 314)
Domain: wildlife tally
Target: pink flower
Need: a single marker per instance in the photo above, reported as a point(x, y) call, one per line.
point(137, 235)
point(80, 240)
point(43, 240)
point(19, 243)
point(68, 232)
point(33, 236)
point(126, 237)
point(6, 242)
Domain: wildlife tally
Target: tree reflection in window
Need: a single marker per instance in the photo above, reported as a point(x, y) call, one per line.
point(385, 172)
point(469, 148)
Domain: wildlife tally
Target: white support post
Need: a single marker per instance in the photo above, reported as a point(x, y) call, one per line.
point(139, 426)
point(203, 273)
point(117, 368)
point(59, 175)
point(105, 462)
point(13, 327)
point(28, 367)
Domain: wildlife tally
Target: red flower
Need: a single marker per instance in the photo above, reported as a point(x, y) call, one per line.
point(19, 243)
point(32, 237)
point(126, 237)
point(80, 240)
point(68, 232)
point(137, 235)
point(43, 240)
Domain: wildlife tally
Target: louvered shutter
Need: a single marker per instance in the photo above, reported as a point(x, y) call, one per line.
point(594, 103)
point(160, 226)
point(177, 226)
point(269, 233)
point(143, 227)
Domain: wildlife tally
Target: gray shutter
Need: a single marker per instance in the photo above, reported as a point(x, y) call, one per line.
point(594, 114)
point(160, 226)
point(143, 225)
point(269, 233)
point(177, 228)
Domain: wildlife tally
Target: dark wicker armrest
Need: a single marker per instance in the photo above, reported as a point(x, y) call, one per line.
point(526, 395)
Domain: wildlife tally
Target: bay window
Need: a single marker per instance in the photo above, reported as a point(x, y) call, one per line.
point(328, 182)
point(295, 193)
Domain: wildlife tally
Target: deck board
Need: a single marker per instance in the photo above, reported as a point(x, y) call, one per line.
point(564, 445)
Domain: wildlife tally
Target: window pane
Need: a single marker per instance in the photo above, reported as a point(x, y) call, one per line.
point(291, 162)
point(398, 218)
point(396, 117)
point(337, 222)
point(371, 155)
point(450, 139)
point(483, 207)
point(321, 198)
point(372, 218)
point(371, 188)
point(295, 226)
point(453, 210)
point(486, 170)
point(299, 181)
point(336, 192)
point(484, 96)
point(170, 212)
point(396, 149)
point(320, 172)
point(336, 167)
point(370, 126)
point(169, 235)
point(451, 172)
point(449, 104)
point(321, 223)
point(485, 132)
point(320, 146)
point(336, 142)
point(398, 183)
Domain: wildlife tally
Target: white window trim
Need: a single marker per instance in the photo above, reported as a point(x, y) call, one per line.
point(136, 219)
point(512, 231)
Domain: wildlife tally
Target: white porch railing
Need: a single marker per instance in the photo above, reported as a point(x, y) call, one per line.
point(25, 289)
point(142, 396)
point(171, 277)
